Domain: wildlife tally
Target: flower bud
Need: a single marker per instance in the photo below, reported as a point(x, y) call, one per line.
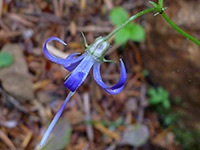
point(99, 48)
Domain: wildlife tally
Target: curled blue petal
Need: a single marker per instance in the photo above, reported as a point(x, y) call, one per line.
point(69, 62)
point(114, 89)
point(71, 56)
point(80, 73)
point(55, 119)
point(51, 57)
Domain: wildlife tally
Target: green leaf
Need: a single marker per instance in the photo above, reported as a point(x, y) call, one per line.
point(155, 100)
point(137, 33)
point(6, 59)
point(152, 92)
point(118, 16)
point(154, 4)
point(145, 73)
point(166, 104)
point(122, 36)
point(159, 96)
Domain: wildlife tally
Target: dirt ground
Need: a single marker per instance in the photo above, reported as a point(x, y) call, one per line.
point(32, 89)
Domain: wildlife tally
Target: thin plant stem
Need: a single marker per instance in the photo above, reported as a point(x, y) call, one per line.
point(128, 21)
point(55, 119)
point(179, 30)
point(160, 3)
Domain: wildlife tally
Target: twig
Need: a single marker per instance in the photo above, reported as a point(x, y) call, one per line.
point(56, 9)
point(7, 141)
point(1, 8)
point(109, 4)
point(20, 19)
point(83, 4)
point(141, 104)
point(61, 4)
point(90, 132)
point(97, 29)
point(14, 102)
point(106, 131)
point(27, 139)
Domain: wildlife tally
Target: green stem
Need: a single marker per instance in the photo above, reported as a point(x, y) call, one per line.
point(179, 30)
point(160, 3)
point(128, 21)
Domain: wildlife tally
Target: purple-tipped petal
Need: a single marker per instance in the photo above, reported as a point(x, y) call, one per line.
point(51, 57)
point(114, 89)
point(80, 73)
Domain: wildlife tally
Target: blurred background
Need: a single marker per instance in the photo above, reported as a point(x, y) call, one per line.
point(159, 106)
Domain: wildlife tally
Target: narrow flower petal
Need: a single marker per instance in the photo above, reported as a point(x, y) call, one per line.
point(51, 57)
point(70, 63)
point(72, 66)
point(80, 73)
point(55, 119)
point(114, 89)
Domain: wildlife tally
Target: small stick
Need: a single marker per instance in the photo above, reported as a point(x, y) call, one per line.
point(1, 8)
point(7, 141)
point(90, 132)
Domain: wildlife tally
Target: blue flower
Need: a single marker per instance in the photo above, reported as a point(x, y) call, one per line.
point(79, 68)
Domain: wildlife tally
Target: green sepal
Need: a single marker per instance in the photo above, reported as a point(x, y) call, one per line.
point(156, 14)
point(82, 45)
point(84, 38)
point(164, 8)
point(112, 61)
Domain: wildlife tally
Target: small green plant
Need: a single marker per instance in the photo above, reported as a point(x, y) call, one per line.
point(6, 59)
point(111, 125)
point(145, 73)
point(132, 31)
point(160, 101)
point(187, 138)
point(159, 96)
